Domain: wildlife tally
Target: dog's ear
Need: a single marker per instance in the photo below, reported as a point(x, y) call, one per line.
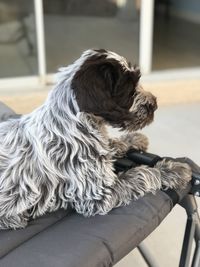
point(101, 88)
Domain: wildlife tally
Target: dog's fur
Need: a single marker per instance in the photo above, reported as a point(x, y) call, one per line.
point(60, 155)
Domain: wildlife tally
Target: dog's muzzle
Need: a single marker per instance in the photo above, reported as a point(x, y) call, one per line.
point(151, 103)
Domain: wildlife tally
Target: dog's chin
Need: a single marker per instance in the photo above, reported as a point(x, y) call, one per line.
point(138, 121)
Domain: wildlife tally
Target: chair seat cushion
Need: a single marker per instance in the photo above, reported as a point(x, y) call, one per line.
point(65, 239)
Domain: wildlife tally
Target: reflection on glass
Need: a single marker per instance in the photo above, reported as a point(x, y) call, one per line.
point(176, 34)
point(72, 26)
point(17, 38)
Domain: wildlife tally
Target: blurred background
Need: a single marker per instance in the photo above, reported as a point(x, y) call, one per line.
point(67, 27)
point(161, 36)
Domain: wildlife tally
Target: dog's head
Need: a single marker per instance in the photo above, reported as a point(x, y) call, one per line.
point(106, 85)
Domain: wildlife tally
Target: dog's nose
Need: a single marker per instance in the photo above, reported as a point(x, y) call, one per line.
point(151, 104)
point(154, 103)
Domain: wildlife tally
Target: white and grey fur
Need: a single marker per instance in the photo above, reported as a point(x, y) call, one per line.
point(60, 155)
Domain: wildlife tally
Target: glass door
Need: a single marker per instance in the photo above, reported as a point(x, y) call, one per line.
point(72, 26)
point(176, 34)
point(18, 48)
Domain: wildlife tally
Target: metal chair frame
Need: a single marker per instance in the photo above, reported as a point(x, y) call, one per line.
point(192, 233)
point(188, 202)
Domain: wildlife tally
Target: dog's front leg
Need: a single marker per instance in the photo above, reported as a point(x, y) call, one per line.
point(174, 174)
point(131, 140)
point(118, 147)
point(133, 184)
point(143, 179)
point(135, 140)
point(128, 186)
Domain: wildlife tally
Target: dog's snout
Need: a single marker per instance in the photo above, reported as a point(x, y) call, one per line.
point(154, 103)
point(150, 100)
point(151, 104)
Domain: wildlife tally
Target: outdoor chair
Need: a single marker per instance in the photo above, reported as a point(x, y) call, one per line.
point(67, 239)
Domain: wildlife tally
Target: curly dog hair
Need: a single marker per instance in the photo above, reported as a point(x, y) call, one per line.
point(61, 154)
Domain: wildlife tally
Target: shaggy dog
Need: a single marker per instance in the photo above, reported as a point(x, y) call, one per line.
point(61, 155)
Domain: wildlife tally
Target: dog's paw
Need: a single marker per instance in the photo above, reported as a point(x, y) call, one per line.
point(174, 174)
point(136, 140)
point(119, 148)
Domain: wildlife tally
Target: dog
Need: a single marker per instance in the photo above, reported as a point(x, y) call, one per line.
point(61, 155)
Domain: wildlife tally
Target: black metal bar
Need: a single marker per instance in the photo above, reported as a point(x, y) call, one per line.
point(192, 232)
point(187, 242)
point(196, 258)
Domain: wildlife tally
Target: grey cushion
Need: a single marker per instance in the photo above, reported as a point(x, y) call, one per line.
point(9, 240)
point(66, 239)
point(75, 241)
